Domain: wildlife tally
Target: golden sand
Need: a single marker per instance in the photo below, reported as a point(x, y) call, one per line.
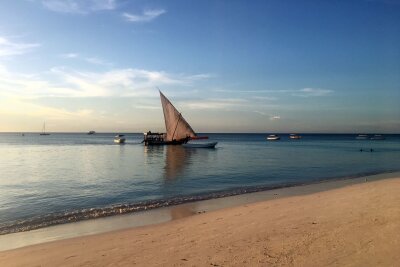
point(358, 225)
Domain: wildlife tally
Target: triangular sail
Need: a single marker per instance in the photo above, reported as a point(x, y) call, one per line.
point(176, 126)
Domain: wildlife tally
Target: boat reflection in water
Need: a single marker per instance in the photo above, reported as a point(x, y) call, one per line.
point(177, 160)
point(178, 165)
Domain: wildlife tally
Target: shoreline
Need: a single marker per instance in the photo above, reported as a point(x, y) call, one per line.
point(45, 221)
point(172, 212)
point(319, 228)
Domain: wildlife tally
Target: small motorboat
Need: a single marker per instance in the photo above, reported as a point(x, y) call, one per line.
point(91, 132)
point(362, 137)
point(200, 145)
point(119, 139)
point(378, 137)
point(295, 136)
point(273, 137)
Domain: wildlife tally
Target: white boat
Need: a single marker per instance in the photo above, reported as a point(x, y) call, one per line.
point(378, 137)
point(44, 129)
point(200, 145)
point(273, 137)
point(119, 139)
point(362, 137)
point(295, 136)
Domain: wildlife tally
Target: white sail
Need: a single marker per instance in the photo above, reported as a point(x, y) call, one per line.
point(176, 126)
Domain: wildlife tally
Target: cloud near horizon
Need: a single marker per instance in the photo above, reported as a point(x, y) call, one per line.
point(146, 16)
point(9, 48)
point(64, 82)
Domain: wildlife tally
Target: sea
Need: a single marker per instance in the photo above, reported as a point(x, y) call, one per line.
point(68, 177)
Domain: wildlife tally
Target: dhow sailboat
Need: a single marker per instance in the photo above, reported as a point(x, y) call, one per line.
point(178, 130)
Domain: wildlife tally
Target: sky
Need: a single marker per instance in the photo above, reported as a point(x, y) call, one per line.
point(228, 66)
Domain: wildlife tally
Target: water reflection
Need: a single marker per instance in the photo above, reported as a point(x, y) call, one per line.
point(177, 159)
point(152, 154)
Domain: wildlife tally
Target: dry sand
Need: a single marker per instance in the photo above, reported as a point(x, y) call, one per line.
point(358, 225)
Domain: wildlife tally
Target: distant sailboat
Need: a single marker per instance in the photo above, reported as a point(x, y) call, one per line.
point(44, 130)
point(178, 130)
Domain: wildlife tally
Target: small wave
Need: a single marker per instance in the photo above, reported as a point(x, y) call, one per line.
point(92, 213)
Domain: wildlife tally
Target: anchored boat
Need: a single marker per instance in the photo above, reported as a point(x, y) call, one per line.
point(273, 137)
point(119, 139)
point(362, 137)
point(295, 136)
point(378, 137)
point(178, 130)
point(200, 145)
point(44, 129)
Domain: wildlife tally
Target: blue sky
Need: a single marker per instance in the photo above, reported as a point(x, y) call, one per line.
point(228, 66)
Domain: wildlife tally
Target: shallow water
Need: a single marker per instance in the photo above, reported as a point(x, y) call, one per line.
point(53, 179)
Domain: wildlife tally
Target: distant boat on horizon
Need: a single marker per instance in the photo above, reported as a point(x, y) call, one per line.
point(378, 137)
point(119, 139)
point(91, 132)
point(44, 129)
point(362, 137)
point(295, 136)
point(273, 137)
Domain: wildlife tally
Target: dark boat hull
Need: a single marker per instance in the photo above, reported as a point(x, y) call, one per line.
point(163, 143)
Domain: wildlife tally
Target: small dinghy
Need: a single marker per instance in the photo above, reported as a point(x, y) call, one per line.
point(378, 137)
point(119, 139)
point(273, 137)
point(200, 145)
point(295, 136)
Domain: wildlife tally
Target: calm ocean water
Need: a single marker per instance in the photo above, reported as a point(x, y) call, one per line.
point(46, 180)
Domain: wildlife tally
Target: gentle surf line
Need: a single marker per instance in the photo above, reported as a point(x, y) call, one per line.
point(93, 213)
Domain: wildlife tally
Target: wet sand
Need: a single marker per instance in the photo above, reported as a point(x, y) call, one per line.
point(356, 225)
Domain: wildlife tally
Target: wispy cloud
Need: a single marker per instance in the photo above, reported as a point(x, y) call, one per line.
point(91, 60)
point(304, 92)
point(79, 6)
point(271, 117)
point(64, 82)
point(146, 16)
point(13, 107)
point(310, 92)
point(97, 61)
point(215, 103)
point(10, 48)
point(70, 55)
point(264, 98)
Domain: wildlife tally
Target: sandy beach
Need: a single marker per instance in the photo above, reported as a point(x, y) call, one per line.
point(357, 225)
